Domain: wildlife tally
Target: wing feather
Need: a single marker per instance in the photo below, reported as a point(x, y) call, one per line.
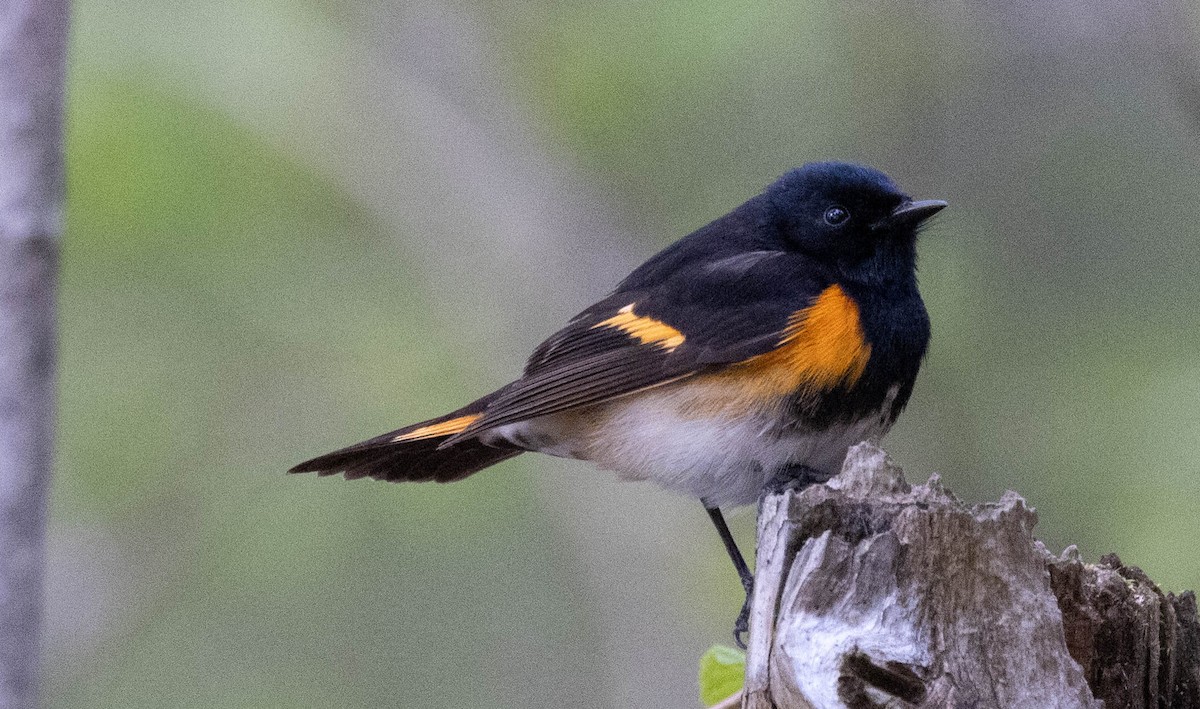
point(580, 382)
point(707, 317)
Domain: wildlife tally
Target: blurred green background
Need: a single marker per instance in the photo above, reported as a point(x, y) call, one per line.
point(297, 223)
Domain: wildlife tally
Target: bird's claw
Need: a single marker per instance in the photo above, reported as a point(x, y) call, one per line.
point(741, 626)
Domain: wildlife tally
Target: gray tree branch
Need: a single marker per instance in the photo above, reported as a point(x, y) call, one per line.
point(871, 593)
point(33, 39)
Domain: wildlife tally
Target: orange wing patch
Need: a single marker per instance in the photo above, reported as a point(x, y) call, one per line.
point(647, 331)
point(437, 430)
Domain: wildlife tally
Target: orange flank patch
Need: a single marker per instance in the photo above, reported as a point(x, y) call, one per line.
point(821, 348)
point(448, 427)
point(647, 331)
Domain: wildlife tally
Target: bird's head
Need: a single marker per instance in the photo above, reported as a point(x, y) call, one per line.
point(848, 214)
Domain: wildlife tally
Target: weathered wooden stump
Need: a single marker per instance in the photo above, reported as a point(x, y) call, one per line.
point(872, 593)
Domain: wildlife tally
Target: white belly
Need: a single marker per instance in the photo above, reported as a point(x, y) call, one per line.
point(723, 457)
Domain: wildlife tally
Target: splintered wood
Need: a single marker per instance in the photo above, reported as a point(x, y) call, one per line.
point(871, 593)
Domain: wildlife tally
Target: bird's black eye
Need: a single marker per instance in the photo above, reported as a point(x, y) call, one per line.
point(836, 215)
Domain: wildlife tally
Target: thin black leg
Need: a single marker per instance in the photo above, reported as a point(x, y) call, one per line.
point(735, 554)
point(742, 625)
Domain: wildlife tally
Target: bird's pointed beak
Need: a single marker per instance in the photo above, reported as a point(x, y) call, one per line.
point(911, 213)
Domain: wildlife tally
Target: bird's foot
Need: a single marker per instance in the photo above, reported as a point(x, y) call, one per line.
point(741, 626)
point(794, 477)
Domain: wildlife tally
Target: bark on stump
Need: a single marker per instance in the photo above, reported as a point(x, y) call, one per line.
point(872, 593)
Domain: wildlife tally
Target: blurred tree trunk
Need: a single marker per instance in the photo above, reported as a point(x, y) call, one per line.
point(872, 593)
point(33, 39)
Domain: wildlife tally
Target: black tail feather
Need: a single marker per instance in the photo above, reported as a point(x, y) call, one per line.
point(415, 459)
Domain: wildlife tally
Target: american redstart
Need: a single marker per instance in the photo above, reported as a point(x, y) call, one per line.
point(750, 354)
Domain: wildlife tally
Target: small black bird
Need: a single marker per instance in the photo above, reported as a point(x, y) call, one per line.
point(751, 353)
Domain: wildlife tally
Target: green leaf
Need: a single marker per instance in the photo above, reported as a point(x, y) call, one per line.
point(722, 673)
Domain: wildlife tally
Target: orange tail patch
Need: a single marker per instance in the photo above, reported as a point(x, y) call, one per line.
point(438, 430)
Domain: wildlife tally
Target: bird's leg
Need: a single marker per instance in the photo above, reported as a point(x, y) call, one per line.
point(796, 477)
point(742, 625)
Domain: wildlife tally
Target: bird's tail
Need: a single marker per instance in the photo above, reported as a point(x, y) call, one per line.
point(412, 453)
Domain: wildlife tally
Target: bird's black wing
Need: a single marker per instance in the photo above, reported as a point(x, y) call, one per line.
point(699, 319)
